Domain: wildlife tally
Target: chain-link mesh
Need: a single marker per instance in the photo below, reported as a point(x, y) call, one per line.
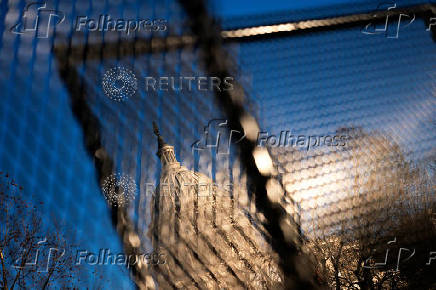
point(322, 207)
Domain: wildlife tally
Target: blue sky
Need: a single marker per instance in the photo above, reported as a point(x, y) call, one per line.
point(243, 7)
point(229, 8)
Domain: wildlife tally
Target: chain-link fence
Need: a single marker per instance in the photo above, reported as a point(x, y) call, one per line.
point(303, 142)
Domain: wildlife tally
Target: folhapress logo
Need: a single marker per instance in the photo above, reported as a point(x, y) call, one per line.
point(36, 18)
point(391, 27)
point(52, 255)
point(218, 134)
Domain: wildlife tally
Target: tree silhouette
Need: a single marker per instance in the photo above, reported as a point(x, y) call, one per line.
point(29, 256)
point(389, 207)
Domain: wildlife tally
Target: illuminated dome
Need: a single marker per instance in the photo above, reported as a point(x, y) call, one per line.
point(208, 241)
